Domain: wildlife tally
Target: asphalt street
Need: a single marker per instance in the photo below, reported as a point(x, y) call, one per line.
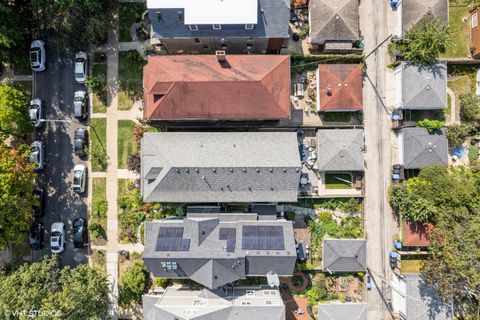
point(56, 86)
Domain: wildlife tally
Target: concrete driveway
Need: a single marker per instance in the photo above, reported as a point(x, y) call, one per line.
point(56, 85)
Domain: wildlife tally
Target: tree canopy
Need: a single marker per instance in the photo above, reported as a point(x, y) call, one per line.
point(14, 117)
point(78, 293)
point(457, 134)
point(17, 178)
point(73, 24)
point(451, 199)
point(14, 31)
point(470, 106)
point(431, 125)
point(133, 283)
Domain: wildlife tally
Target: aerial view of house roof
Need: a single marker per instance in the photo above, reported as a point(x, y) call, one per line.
point(241, 303)
point(334, 20)
point(418, 148)
point(422, 87)
point(270, 18)
point(216, 249)
point(344, 255)
point(340, 150)
point(244, 87)
point(342, 311)
point(415, 234)
point(414, 11)
point(217, 167)
point(339, 87)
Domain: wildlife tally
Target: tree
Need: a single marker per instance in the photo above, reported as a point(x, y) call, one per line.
point(14, 31)
point(74, 24)
point(457, 134)
point(162, 282)
point(431, 125)
point(14, 117)
point(133, 284)
point(470, 107)
point(78, 293)
point(425, 42)
point(17, 180)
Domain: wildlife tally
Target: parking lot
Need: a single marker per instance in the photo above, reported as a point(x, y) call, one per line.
point(56, 86)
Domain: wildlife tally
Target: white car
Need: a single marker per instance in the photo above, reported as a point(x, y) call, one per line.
point(37, 55)
point(37, 155)
point(80, 67)
point(80, 104)
point(36, 112)
point(57, 237)
point(79, 178)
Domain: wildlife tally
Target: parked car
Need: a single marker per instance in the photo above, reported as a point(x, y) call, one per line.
point(37, 155)
point(57, 238)
point(80, 104)
point(79, 233)
point(36, 112)
point(80, 67)
point(79, 178)
point(37, 55)
point(36, 239)
point(39, 207)
point(80, 141)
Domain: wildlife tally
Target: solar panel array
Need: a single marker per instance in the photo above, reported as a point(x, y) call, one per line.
point(229, 234)
point(262, 238)
point(170, 239)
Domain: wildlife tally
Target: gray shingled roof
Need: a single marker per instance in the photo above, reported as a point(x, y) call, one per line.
point(344, 255)
point(272, 23)
point(421, 148)
point(340, 150)
point(423, 302)
point(414, 11)
point(220, 167)
point(334, 20)
point(183, 303)
point(207, 261)
point(342, 311)
point(424, 87)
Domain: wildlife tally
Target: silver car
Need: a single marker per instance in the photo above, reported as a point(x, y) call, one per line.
point(57, 239)
point(79, 178)
point(37, 155)
point(37, 55)
point(80, 67)
point(36, 112)
point(80, 104)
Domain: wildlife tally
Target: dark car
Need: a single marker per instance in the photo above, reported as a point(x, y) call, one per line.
point(79, 233)
point(39, 206)
point(36, 238)
point(80, 141)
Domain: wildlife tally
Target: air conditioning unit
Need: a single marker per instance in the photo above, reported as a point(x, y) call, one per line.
point(220, 55)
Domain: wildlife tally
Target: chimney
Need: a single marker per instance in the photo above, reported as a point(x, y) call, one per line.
point(220, 56)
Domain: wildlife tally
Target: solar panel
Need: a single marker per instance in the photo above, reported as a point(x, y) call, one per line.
point(262, 238)
point(170, 239)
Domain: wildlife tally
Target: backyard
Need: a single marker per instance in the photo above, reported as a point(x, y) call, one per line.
point(410, 265)
point(99, 73)
point(338, 181)
point(98, 214)
point(98, 144)
point(126, 141)
point(128, 14)
point(130, 76)
point(459, 25)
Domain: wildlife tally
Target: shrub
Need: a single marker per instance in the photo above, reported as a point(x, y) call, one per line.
point(431, 125)
point(99, 208)
point(290, 216)
point(96, 230)
point(99, 158)
point(162, 282)
point(470, 107)
point(304, 31)
point(297, 281)
point(93, 83)
point(134, 162)
point(457, 134)
point(138, 132)
point(133, 284)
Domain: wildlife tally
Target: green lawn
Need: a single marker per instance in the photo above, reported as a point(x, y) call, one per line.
point(459, 45)
point(100, 94)
point(332, 181)
point(122, 186)
point(130, 76)
point(98, 133)
point(99, 202)
point(338, 116)
point(99, 260)
point(126, 143)
point(128, 14)
point(460, 85)
point(473, 153)
point(410, 266)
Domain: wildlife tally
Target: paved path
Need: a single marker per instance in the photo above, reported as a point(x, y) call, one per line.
point(453, 110)
point(126, 174)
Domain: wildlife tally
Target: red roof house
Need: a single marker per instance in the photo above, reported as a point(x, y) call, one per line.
point(339, 87)
point(415, 234)
point(203, 87)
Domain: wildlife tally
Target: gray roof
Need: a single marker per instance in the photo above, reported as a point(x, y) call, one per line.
point(424, 87)
point(344, 255)
point(272, 23)
point(207, 261)
point(340, 150)
point(414, 11)
point(200, 167)
point(421, 148)
point(334, 20)
point(423, 302)
point(342, 311)
point(182, 303)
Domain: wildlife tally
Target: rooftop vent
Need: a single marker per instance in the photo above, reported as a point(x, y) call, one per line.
point(329, 91)
point(220, 56)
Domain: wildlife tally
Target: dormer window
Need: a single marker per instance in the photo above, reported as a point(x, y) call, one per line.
point(217, 26)
point(193, 27)
point(180, 16)
point(249, 27)
point(159, 16)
